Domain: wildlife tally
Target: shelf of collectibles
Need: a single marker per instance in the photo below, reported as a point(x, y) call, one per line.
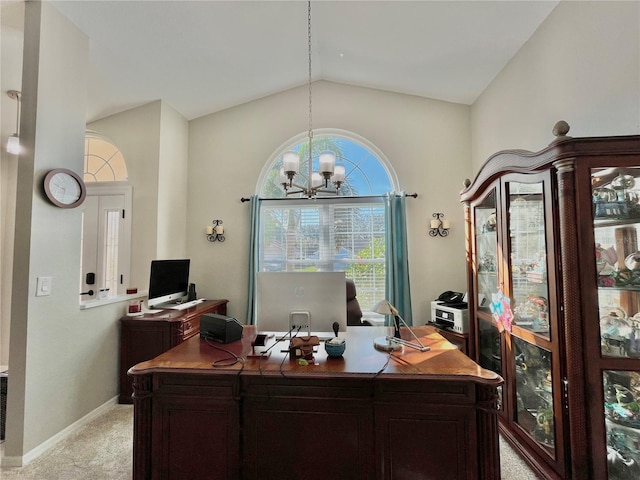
point(616, 216)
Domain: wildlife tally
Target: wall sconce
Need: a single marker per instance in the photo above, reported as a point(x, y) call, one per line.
point(215, 231)
point(13, 142)
point(439, 226)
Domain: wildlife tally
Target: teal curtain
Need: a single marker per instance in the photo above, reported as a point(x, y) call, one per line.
point(254, 242)
point(397, 263)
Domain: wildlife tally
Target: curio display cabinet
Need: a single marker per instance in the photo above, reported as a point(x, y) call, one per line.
point(554, 300)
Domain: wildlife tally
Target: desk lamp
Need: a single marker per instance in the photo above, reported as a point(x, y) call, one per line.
point(388, 343)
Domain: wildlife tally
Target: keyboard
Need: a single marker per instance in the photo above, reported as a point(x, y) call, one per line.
point(150, 311)
point(185, 305)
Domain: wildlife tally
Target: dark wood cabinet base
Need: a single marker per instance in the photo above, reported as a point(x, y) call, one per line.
point(412, 415)
point(146, 336)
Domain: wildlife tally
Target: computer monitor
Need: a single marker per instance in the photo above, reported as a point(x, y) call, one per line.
point(285, 299)
point(168, 281)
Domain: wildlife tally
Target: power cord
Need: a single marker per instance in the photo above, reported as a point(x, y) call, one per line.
point(397, 359)
point(229, 361)
point(288, 352)
point(384, 367)
point(278, 340)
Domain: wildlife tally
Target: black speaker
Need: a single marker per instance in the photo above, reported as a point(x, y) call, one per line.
point(191, 295)
point(220, 328)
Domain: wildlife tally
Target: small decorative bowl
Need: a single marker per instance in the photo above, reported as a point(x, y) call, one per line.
point(632, 261)
point(335, 349)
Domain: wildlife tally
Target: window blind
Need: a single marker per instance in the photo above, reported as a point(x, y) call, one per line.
point(337, 234)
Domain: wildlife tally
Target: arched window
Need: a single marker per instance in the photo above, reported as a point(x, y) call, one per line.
point(334, 233)
point(367, 171)
point(106, 221)
point(103, 161)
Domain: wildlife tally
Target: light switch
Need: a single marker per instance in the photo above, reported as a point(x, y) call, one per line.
point(43, 286)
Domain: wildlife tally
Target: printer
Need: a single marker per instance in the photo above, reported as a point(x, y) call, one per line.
point(450, 316)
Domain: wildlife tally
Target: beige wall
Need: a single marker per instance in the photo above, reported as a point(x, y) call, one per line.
point(426, 141)
point(63, 361)
point(582, 66)
point(172, 184)
point(11, 33)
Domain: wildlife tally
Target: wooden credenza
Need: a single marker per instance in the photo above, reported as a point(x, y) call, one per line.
point(147, 336)
point(368, 415)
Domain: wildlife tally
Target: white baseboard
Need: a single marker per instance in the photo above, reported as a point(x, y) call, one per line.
point(18, 461)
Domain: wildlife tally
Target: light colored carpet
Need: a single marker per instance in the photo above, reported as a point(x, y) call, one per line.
point(512, 467)
point(102, 450)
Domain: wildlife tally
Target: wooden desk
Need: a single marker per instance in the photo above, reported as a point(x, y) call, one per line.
point(412, 415)
point(146, 336)
point(460, 340)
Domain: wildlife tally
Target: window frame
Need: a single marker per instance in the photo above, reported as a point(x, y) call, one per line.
point(107, 189)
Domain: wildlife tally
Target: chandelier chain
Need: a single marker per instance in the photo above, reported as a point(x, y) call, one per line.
point(329, 173)
point(310, 96)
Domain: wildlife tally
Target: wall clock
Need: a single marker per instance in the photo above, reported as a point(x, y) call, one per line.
point(64, 188)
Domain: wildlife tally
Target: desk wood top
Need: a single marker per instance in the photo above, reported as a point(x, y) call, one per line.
point(442, 361)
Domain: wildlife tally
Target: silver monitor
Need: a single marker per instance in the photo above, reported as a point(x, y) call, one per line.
point(288, 299)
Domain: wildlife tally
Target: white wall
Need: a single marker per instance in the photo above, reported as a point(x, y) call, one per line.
point(426, 141)
point(582, 65)
point(62, 360)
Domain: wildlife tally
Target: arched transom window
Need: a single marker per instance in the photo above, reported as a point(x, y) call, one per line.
point(367, 171)
point(103, 161)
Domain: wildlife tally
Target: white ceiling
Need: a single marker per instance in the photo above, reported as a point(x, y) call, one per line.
point(205, 56)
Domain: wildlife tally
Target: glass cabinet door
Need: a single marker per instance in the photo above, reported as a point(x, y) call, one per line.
point(534, 393)
point(616, 213)
point(622, 423)
point(616, 228)
point(533, 408)
point(486, 278)
point(528, 257)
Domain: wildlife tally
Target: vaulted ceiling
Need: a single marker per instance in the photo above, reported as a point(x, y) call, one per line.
point(205, 56)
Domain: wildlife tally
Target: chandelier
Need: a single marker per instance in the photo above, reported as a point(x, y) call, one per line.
point(330, 176)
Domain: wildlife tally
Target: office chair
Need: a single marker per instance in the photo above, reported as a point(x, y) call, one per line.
point(354, 313)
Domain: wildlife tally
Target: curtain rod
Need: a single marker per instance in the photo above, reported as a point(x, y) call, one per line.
point(413, 195)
